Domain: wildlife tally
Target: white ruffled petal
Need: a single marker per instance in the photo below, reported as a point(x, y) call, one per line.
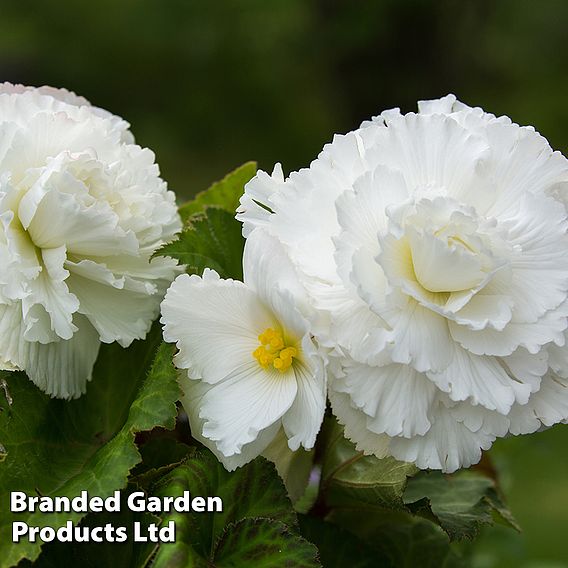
point(443, 105)
point(420, 338)
point(256, 203)
point(60, 219)
point(546, 407)
point(120, 308)
point(353, 325)
point(449, 445)
point(355, 426)
point(14, 347)
point(63, 368)
point(484, 310)
point(362, 213)
point(530, 336)
point(395, 399)
point(440, 268)
point(478, 419)
point(558, 358)
point(538, 232)
point(431, 151)
point(481, 380)
point(49, 307)
point(526, 369)
point(522, 163)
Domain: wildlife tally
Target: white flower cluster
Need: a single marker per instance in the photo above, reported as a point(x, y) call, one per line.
point(426, 259)
point(416, 274)
point(82, 210)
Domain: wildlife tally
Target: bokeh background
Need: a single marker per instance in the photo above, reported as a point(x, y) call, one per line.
point(210, 85)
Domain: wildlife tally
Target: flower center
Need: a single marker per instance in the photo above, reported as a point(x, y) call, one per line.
point(273, 351)
point(441, 246)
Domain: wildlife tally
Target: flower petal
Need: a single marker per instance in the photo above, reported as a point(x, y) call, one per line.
point(479, 419)
point(522, 163)
point(449, 445)
point(13, 348)
point(538, 232)
point(355, 426)
point(443, 105)
point(354, 327)
point(120, 308)
point(58, 218)
point(420, 338)
point(60, 368)
point(484, 310)
point(193, 393)
point(481, 380)
point(558, 359)
point(362, 213)
point(430, 151)
point(267, 267)
point(531, 336)
point(303, 420)
point(50, 291)
point(246, 402)
point(396, 399)
point(440, 268)
point(546, 407)
point(63, 368)
point(255, 204)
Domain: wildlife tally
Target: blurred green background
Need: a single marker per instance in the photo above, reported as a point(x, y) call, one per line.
point(209, 85)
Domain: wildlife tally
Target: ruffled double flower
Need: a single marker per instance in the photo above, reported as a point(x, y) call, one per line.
point(433, 249)
point(82, 210)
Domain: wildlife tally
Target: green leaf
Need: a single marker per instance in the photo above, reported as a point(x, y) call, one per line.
point(212, 239)
point(224, 194)
point(102, 554)
point(364, 495)
point(159, 456)
point(160, 451)
point(349, 476)
point(401, 540)
point(337, 547)
point(57, 447)
point(461, 502)
point(263, 543)
point(253, 493)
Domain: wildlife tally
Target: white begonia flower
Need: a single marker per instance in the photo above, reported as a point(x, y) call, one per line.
point(250, 365)
point(435, 243)
point(82, 210)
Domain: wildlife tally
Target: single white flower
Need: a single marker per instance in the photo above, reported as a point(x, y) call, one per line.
point(250, 365)
point(82, 209)
point(435, 243)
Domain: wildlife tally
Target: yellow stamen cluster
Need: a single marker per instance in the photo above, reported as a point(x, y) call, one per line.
point(273, 351)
